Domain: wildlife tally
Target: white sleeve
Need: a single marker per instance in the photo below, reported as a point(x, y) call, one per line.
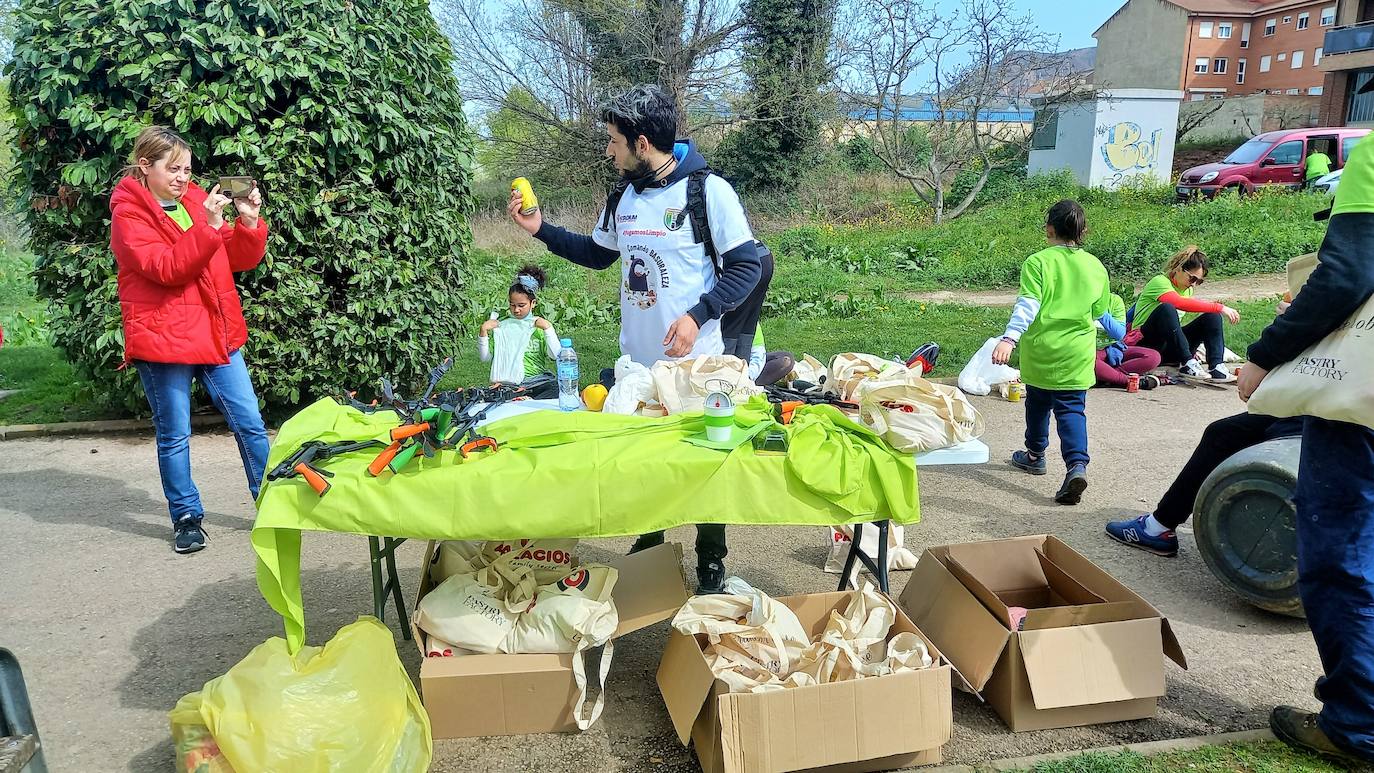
point(1022, 315)
point(757, 358)
point(483, 349)
point(602, 237)
point(551, 341)
point(729, 226)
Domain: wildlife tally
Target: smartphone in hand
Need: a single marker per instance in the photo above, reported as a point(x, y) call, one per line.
point(236, 187)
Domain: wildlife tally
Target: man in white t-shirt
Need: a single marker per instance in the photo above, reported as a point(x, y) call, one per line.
point(672, 292)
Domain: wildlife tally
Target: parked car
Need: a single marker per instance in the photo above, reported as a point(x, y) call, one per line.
point(1328, 183)
point(1273, 158)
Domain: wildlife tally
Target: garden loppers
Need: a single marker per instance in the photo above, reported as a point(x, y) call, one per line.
point(305, 462)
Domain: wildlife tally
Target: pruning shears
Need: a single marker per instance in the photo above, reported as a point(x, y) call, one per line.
point(306, 460)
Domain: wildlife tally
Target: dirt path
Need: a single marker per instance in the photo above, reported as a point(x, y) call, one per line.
point(1247, 288)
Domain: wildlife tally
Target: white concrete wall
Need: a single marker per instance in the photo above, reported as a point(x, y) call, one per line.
point(1126, 134)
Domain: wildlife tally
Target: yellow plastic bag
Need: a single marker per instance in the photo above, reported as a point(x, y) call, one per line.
point(346, 707)
point(196, 749)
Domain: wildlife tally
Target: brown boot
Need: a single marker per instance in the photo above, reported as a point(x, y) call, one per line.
point(1299, 729)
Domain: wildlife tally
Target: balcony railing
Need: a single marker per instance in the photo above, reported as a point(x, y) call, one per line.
point(1347, 40)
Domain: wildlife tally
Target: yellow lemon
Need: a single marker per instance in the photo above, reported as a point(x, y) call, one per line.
point(594, 397)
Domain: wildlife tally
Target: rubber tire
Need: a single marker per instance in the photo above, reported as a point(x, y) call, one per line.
point(1244, 522)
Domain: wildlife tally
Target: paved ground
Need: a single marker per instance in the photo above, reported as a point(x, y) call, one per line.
point(112, 627)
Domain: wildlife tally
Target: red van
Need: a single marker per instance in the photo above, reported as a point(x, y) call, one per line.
point(1273, 158)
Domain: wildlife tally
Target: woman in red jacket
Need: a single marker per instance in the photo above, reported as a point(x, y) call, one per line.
point(1157, 320)
point(182, 316)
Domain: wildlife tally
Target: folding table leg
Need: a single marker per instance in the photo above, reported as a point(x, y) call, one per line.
point(391, 584)
point(879, 569)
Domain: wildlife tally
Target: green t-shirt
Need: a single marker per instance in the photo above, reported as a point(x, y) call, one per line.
point(535, 359)
point(1356, 191)
point(1318, 165)
point(1058, 351)
point(1148, 301)
point(1117, 307)
point(180, 216)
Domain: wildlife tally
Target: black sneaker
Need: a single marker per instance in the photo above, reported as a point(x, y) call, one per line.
point(710, 577)
point(189, 534)
point(1148, 382)
point(646, 541)
point(1075, 483)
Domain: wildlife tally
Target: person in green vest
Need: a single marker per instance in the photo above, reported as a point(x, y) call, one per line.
point(1317, 166)
point(1064, 289)
point(521, 340)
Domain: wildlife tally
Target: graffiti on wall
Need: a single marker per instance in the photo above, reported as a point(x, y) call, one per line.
point(1127, 150)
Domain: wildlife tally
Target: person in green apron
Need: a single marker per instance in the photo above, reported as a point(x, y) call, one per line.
point(517, 353)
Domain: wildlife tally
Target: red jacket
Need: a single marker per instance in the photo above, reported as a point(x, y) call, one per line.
point(176, 289)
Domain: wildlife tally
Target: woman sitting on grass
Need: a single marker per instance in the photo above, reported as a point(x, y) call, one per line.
point(1158, 321)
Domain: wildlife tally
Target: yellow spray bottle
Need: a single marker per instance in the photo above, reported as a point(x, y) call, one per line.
point(528, 202)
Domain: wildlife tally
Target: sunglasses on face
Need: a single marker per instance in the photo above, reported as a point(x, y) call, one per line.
point(1194, 280)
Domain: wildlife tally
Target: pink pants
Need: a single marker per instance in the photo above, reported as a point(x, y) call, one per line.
point(1138, 359)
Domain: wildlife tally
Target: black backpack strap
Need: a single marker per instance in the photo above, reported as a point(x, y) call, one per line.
point(696, 210)
point(612, 204)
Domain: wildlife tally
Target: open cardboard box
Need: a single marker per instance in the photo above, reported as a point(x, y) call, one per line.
point(480, 695)
point(878, 723)
point(1088, 651)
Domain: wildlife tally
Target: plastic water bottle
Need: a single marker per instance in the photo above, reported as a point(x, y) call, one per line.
point(569, 377)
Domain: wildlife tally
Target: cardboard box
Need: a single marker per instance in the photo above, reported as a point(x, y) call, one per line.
point(1089, 650)
point(480, 695)
point(878, 723)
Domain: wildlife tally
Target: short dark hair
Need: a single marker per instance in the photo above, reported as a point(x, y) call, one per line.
point(1068, 220)
point(647, 110)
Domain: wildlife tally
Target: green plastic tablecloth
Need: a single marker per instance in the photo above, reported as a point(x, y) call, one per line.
point(573, 474)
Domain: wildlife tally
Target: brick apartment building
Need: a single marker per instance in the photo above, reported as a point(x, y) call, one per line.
point(1350, 66)
point(1212, 49)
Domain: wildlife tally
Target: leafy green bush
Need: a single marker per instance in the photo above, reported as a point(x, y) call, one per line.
point(346, 112)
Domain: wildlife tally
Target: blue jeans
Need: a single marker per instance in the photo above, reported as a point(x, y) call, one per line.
point(168, 388)
point(1069, 412)
point(1335, 529)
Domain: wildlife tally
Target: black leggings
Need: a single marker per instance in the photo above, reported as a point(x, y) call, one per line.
point(1176, 343)
point(737, 326)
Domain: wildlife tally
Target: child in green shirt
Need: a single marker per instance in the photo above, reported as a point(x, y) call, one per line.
point(1063, 290)
point(521, 339)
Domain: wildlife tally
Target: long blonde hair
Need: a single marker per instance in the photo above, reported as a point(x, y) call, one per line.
point(154, 143)
point(1187, 259)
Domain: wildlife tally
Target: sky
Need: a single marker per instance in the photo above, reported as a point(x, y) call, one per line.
point(1072, 20)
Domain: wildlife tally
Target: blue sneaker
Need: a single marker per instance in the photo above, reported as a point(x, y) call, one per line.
point(1025, 460)
point(1133, 533)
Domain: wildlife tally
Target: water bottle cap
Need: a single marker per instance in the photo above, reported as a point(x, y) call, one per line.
point(565, 342)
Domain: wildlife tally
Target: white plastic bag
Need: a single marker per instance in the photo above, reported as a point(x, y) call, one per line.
point(633, 389)
point(979, 376)
point(510, 340)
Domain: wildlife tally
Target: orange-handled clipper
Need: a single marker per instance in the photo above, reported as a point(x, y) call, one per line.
point(383, 459)
point(409, 430)
point(314, 477)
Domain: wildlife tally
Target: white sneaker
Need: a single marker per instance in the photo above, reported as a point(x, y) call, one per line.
point(1192, 370)
point(1222, 376)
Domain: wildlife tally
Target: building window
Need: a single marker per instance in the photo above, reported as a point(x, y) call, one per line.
point(1204, 29)
point(1219, 66)
point(1264, 63)
point(1046, 133)
point(1200, 65)
point(1297, 60)
point(1224, 30)
point(1283, 57)
point(1315, 91)
point(1328, 16)
point(1240, 72)
point(1360, 107)
point(1317, 56)
point(1197, 98)
point(1293, 92)
point(1288, 20)
point(1245, 35)
point(1304, 20)
point(1269, 27)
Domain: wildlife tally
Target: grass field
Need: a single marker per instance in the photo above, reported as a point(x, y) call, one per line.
point(1265, 757)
